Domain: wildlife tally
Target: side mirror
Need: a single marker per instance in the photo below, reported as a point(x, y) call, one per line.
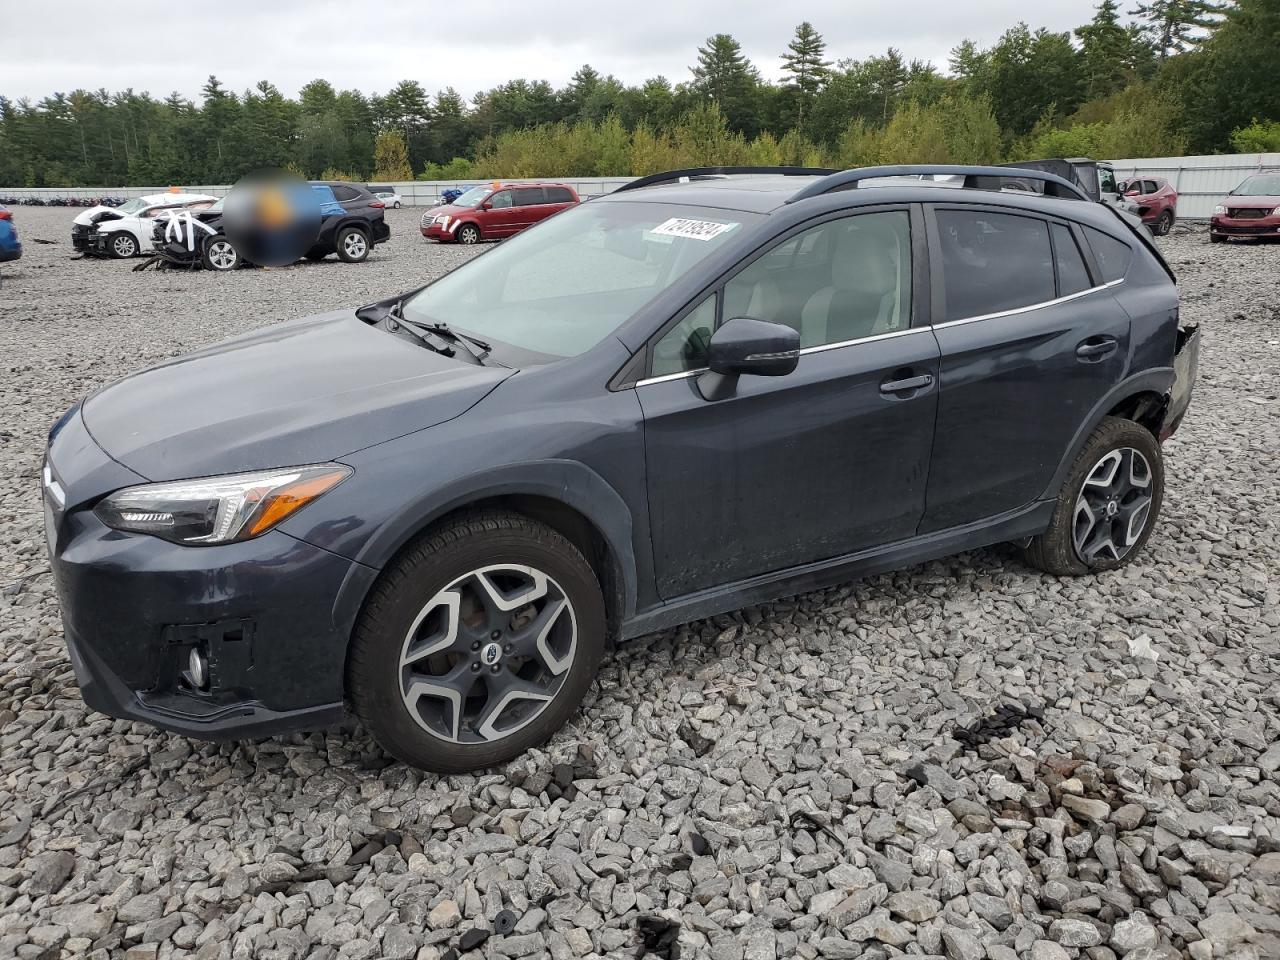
point(486, 205)
point(1133, 192)
point(745, 346)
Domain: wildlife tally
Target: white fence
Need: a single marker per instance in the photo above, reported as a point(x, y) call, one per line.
point(415, 193)
point(1200, 181)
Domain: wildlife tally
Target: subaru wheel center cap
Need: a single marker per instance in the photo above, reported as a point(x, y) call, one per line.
point(491, 654)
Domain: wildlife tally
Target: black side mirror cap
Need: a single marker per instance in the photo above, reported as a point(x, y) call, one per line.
point(746, 346)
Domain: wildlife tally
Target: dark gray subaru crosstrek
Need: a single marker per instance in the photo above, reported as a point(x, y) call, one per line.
point(702, 391)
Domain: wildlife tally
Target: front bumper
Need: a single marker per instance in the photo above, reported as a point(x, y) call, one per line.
point(1253, 227)
point(134, 607)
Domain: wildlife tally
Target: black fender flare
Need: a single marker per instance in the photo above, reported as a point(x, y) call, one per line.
point(1156, 380)
point(568, 482)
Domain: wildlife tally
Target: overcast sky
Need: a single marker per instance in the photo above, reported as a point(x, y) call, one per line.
point(374, 44)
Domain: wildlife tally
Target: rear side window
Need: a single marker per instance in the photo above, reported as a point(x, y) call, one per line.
point(1072, 273)
point(559, 195)
point(528, 196)
point(345, 193)
point(993, 262)
point(1113, 256)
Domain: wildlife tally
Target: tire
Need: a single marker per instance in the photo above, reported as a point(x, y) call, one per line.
point(220, 254)
point(468, 233)
point(122, 246)
point(396, 205)
point(1164, 224)
point(1216, 238)
point(452, 602)
point(1079, 542)
point(353, 245)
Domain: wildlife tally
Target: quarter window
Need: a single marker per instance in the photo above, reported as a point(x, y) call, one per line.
point(992, 262)
point(559, 195)
point(842, 280)
point(344, 194)
point(1073, 276)
point(1113, 256)
point(684, 346)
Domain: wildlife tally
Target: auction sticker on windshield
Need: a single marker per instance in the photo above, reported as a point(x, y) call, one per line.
point(691, 229)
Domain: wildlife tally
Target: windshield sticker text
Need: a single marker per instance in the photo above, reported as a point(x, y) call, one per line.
point(691, 229)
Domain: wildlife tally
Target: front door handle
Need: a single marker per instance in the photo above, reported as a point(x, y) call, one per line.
point(1096, 348)
point(907, 384)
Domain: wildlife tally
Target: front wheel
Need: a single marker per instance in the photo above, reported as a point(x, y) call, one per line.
point(352, 244)
point(219, 254)
point(478, 643)
point(123, 246)
point(1164, 224)
point(1217, 238)
point(1108, 505)
point(468, 233)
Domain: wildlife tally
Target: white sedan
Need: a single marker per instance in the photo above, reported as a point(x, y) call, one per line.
point(125, 231)
point(390, 199)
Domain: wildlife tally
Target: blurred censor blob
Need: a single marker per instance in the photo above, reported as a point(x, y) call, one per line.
point(272, 217)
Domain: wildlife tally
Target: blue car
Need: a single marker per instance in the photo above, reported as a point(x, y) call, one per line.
point(10, 245)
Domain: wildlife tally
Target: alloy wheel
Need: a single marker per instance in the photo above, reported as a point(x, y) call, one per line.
point(222, 254)
point(124, 246)
point(354, 244)
point(488, 653)
point(1114, 504)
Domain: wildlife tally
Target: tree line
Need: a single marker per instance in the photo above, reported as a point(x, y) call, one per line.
point(1165, 78)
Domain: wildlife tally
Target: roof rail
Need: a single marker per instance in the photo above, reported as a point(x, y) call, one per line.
point(1054, 186)
point(698, 173)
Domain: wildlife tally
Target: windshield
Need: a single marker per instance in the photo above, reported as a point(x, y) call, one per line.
point(1263, 185)
point(473, 197)
point(133, 206)
point(562, 287)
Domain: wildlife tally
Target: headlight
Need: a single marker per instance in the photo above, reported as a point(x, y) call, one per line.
point(218, 509)
point(1276, 212)
point(1219, 210)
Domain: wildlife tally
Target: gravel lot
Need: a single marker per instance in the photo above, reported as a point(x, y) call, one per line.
point(966, 758)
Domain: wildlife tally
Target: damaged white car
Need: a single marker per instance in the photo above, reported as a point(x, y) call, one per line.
point(125, 231)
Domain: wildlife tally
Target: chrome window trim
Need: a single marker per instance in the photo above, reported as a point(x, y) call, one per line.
point(684, 374)
point(820, 348)
point(1031, 306)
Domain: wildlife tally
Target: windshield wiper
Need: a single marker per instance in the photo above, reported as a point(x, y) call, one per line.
point(460, 338)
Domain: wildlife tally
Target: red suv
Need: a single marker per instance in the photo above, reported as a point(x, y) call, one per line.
point(1250, 210)
point(494, 211)
point(1157, 202)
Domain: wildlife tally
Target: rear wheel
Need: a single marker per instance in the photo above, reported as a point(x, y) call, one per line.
point(352, 244)
point(478, 643)
point(219, 254)
point(1107, 506)
point(468, 233)
point(122, 246)
point(1164, 224)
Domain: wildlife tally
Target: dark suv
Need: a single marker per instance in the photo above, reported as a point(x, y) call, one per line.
point(352, 223)
point(702, 391)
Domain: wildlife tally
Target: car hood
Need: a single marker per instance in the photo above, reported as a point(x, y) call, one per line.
point(307, 391)
point(1239, 200)
point(87, 218)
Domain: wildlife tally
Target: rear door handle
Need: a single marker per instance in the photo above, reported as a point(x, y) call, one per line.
point(1097, 348)
point(907, 384)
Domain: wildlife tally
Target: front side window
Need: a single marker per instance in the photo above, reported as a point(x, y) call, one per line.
point(992, 262)
point(561, 287)
point(500, 200)
point(842, 280)
point(1107, 180)
point(685, 346)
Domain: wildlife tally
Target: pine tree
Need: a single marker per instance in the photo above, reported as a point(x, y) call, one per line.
point(725, 76)
point(1175, 26)
point(1108, 52)
point(805, 68)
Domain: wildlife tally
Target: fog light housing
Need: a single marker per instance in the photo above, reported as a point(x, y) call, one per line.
point(198, 669)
